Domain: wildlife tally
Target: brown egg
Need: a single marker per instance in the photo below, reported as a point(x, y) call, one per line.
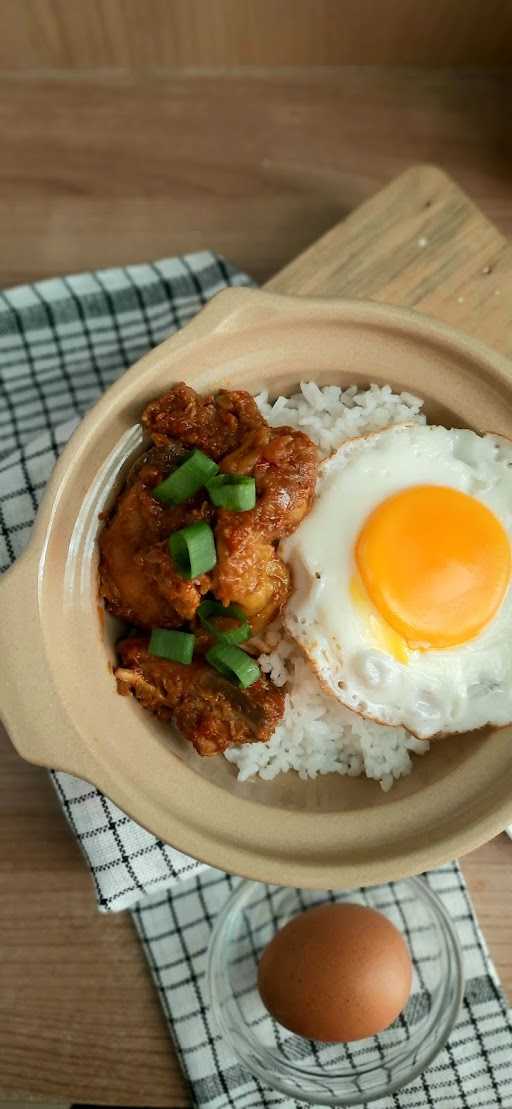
point(336, 973)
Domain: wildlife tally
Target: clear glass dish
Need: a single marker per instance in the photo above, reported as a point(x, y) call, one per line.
point(334, 1074)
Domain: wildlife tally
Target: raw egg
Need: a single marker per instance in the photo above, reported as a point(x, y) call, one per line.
point(336, 973)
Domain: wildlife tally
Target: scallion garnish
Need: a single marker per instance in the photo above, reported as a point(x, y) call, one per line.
point(193, 549)
point(210, 611)
point(233, 663)
point(173, 645)
point(187, 479)
point(237, 492)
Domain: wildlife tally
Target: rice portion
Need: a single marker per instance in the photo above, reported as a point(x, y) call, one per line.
point(317, 735)
point(331, 415)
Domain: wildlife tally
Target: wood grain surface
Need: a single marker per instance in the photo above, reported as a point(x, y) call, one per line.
point(79, 1019)
point(105, 170)
point(71, 34)
point(421, 243)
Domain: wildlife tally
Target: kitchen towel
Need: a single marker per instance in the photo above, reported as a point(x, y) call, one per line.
point(62, 342)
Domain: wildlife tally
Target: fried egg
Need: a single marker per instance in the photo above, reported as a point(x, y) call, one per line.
point(401, 572)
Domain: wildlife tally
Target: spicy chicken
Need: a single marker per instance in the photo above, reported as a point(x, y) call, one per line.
point(216, 424)
point(283, 462)
point(196, 528)
point(211, 712)
point(138, 579)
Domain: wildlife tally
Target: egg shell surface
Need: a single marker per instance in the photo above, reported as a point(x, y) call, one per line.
point(336, 973)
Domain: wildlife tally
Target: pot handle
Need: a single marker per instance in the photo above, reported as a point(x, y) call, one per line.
point(25, 675)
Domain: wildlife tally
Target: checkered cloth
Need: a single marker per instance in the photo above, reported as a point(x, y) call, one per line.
point(62, 342)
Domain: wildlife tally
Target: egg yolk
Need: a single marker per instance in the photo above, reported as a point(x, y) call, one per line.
point(436, 564)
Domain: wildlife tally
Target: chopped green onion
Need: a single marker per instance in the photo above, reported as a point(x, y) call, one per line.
point(173, 645)
point(193, 549)
point(187, 479)
point(233, 663)
point(236, 492)
point(208, 609)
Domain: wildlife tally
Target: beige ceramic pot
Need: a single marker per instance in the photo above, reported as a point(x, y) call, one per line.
point(57, 692)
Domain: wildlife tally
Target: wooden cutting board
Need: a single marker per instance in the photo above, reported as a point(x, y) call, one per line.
point(85, 1024)
point(420, 243)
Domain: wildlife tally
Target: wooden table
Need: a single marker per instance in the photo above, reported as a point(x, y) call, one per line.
point(101, 169)
point(79, 1019)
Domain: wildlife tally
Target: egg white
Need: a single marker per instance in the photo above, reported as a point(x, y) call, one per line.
point(351, 648)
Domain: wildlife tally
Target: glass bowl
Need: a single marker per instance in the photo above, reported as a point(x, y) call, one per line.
point(344, 1073)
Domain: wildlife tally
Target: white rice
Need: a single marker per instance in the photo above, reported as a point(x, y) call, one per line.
point(317, 735)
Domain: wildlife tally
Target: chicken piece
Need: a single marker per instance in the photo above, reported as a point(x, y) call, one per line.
point(209, 711)
point(179, 594)
point(138, 580)
point(249, 572)
point(284, 463)
point(214, 424)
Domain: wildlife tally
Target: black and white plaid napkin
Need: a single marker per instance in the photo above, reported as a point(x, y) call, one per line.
point(62, 342)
